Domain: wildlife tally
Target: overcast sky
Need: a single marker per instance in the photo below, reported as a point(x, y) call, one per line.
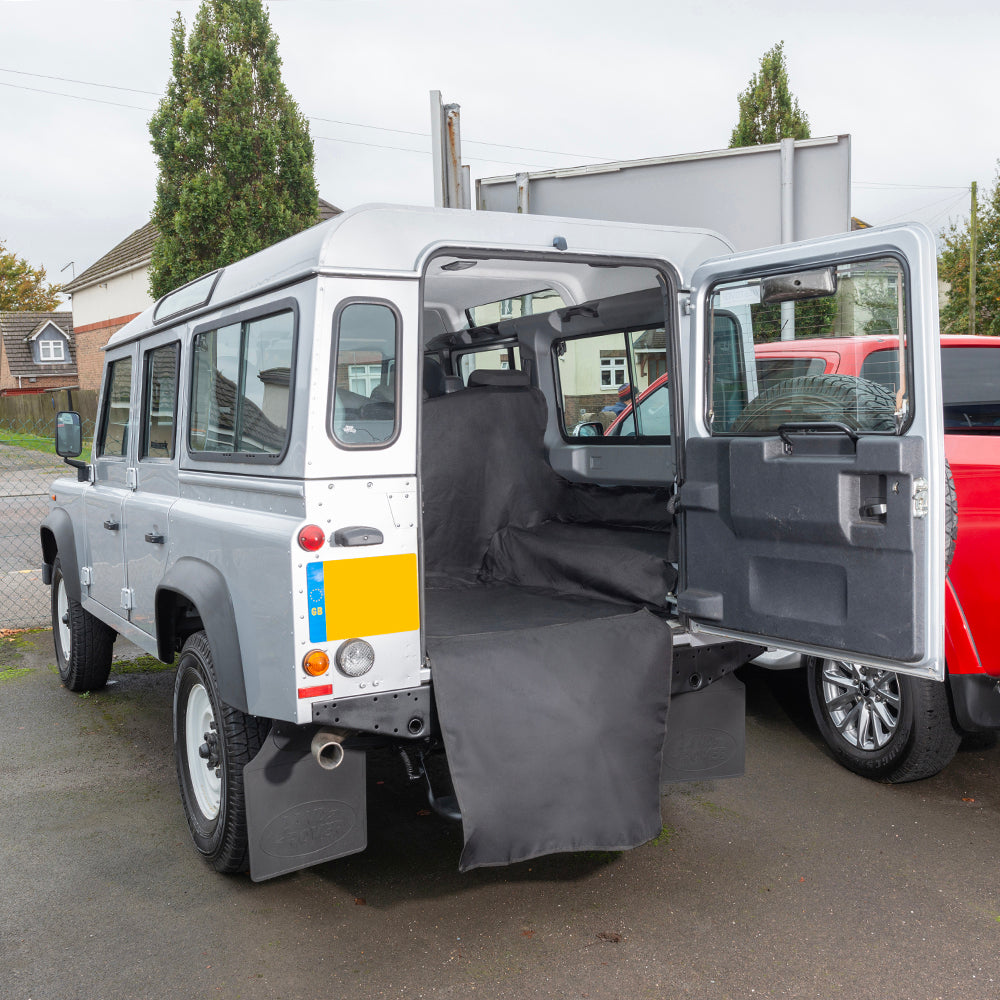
point(915, 84)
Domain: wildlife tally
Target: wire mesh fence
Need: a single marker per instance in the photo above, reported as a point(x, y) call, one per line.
point(28, 465)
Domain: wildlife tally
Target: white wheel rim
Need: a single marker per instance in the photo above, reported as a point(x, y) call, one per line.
point(62, 614)
point(198, 719)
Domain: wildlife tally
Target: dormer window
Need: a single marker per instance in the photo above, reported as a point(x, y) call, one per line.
point(49, 345)
point(51, 350)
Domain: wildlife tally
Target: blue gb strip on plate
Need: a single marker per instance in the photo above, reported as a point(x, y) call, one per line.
point(317, 602)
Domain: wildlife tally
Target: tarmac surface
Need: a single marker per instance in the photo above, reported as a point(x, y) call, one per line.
point(797, 880)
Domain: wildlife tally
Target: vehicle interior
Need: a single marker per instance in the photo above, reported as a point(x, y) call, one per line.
point(546, 594)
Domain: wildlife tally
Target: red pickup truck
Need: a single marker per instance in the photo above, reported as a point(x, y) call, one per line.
point(878, 723)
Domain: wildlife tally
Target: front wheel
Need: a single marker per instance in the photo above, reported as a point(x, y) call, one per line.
point(212, 744)
point(84, 644)
point(880, 724)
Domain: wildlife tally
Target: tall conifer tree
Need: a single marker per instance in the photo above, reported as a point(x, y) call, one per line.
point(768, 111)
point(235, 154)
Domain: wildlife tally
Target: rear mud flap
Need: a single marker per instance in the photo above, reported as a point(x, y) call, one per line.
point(706, 733)
point(298, 813)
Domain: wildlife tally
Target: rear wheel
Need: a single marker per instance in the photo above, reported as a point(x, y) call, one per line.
point(212, 744)
point(83, 643)
point(880, 724)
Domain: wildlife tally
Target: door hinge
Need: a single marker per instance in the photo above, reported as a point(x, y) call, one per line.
point(132, 479)
point(685, 304)
point(85, 576)
point(920, 497)
point(126, 599)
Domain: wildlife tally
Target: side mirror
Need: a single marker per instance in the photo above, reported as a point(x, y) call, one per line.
point(69, 434)
point(589, 430)
point(69, 443)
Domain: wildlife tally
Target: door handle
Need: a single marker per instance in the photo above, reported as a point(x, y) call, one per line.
point(153, 538)
point(357, 535)
point(111, 524)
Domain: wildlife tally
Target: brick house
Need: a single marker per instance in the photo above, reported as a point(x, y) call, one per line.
point(37, 352)
point(114, 290)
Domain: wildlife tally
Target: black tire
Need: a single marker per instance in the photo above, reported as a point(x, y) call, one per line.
point(856, 402)
point(879, 724)
point(84, 644)
point(214, 804)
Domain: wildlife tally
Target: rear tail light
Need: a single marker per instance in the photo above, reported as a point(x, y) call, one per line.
point(311, 538)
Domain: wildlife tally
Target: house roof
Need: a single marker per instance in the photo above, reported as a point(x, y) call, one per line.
point(135, 251)
point(17, 329)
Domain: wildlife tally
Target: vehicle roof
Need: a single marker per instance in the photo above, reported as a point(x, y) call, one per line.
point(392, 240)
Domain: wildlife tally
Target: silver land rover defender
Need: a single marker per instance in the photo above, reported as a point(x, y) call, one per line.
point(358, 485)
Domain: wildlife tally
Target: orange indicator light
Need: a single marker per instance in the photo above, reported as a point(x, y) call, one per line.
point(316, 663)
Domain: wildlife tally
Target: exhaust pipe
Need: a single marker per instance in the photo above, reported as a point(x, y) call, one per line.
point(327, 749)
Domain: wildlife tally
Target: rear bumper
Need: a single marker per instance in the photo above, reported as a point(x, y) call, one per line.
point(976, 699)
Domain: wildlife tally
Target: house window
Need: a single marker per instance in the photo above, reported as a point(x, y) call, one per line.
point(613, 372)
point(51, 350)
point(363, 378)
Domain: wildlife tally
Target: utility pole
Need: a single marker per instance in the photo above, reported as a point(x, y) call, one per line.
point(452, 183)
point(973, 251)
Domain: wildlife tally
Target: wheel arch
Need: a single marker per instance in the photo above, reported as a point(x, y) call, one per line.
point(58, 539)
point(193, 583)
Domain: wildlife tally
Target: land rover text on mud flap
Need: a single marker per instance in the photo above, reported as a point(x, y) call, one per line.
point(339, 481)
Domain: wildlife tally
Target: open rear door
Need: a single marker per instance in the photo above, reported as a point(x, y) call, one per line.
point(813, 500)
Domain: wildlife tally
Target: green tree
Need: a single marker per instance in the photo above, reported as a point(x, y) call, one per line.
point(23, 287)
point(768, 111)
point(953, 267)
point(235, 154)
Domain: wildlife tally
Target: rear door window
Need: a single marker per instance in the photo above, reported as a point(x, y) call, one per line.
point(848, 300)
point(364, 394)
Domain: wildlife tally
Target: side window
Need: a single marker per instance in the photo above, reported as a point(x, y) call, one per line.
point(882, 367)
point(500, 359)
point(365, 375)
point(116, 413)
point(616, 380)
point(159, 401)
point(771, 371)
point(825, 307)
point(240, 389)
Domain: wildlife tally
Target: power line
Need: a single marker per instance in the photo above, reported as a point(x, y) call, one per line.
point(950, 199)
point(86, 83)
point(76, 97)
point(315, 118)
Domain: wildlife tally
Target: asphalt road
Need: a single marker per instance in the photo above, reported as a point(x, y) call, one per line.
point(797, 880)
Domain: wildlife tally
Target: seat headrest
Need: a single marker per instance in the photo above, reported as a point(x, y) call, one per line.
point(508, 379)
point(434, 378)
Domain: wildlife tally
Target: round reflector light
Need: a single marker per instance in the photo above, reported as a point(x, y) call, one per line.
point(311, 537)
point(355, 657)
point(315, 663)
